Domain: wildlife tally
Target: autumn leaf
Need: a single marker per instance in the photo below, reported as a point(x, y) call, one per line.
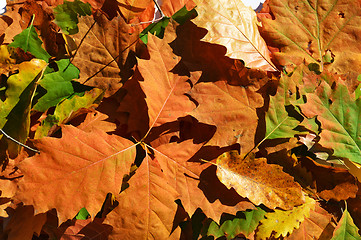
point(57, 84)
point(66, 15)
point(97, 120)
point(340, 116)
point(317, 224)
point(29, 41)
point(271, 186)
point(346, 229)
point(233, 25)
point(80, 169)
point(132, 8)
point(283, 222)
point(231, 108)
point(15, 109)
point(157, 208)
point(232, 228)
point(318, 29)
point(87, 228)
point(68, 109)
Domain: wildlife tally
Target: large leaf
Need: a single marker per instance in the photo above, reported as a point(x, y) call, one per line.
point(233, 25)
point(340, 117)
point(156, 207)
point(15, 110)
point(75, 171)
point(318, 28)
point(29, 41)
point(346, 229)
point(232, 228)
point(165, 90)
point(269, 186)
point(283, 222)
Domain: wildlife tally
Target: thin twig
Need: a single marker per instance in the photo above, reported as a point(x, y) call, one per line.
point(17, 142)
point(154, 19)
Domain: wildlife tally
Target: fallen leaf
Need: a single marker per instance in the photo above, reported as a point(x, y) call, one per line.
point(80, 169)
point(97, 120)
point(233, 25)
point(284, 222)
point(86, 229)
point(346, 229)
point(270, 186)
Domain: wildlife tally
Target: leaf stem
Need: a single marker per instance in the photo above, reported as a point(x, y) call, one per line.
point(17, 142)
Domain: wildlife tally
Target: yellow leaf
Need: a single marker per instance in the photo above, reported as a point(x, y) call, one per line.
point(283, 222)
point(235, 26)
point(260, 182)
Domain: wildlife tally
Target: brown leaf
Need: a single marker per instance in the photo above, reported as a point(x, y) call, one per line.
point(133, 8)
point(260, 182)
point(147, 208)
point(86, 229)
point(96, 119)
point(23, 223)
point(75, 171)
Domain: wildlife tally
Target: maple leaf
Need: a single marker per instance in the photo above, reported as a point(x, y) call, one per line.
point(232, 109)
point(339, 115)
point(164, 90)
point(97, 119)
point(318, 29)
point(80, 169)
point(283, 222)
point(153, 218)
point(189, 179)
point(346, 229)
point(15, 109)
point(271, 186)
point(233, 25)
point(132, 8)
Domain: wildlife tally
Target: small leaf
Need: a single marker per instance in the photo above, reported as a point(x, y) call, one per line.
point(82, 214)
point(66, 15)
point(283, 222)
point(29, 41)
point(231, 228)
point(346, 229)
point(57, 84)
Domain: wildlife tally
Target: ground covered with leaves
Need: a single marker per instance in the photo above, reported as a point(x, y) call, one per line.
point(214, 121)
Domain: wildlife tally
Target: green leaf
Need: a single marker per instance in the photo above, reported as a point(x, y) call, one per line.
point(346, 229)
point(232, 228)
point(157, 28)
point(29, 41)
point(67, 109)
point(58, 85)
point(15, 109)
point(66, 15)
point(82, 214)
point(340, 118)
point(358, 89)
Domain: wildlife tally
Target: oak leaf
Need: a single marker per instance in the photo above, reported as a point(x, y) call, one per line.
point(233, 25)
point(147, 208)
point(283, 222)
point(269, 186)
point(75, 171)
point(86, 229)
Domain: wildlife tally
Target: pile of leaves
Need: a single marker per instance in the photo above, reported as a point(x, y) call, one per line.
point(210, 121)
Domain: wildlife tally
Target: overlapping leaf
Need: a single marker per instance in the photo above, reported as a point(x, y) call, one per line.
point(79, 169)
point(340, 117)
point(346, 229)
point(318, 28)
point(271, 186)
point(233, 25)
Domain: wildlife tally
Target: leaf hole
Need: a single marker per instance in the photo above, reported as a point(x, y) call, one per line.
point(330, 101)
point(341, 15)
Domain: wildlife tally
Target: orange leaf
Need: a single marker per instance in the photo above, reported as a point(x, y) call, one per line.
point(75, 171)
point(260, 182)
point(147, 208)
point(232, 109)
